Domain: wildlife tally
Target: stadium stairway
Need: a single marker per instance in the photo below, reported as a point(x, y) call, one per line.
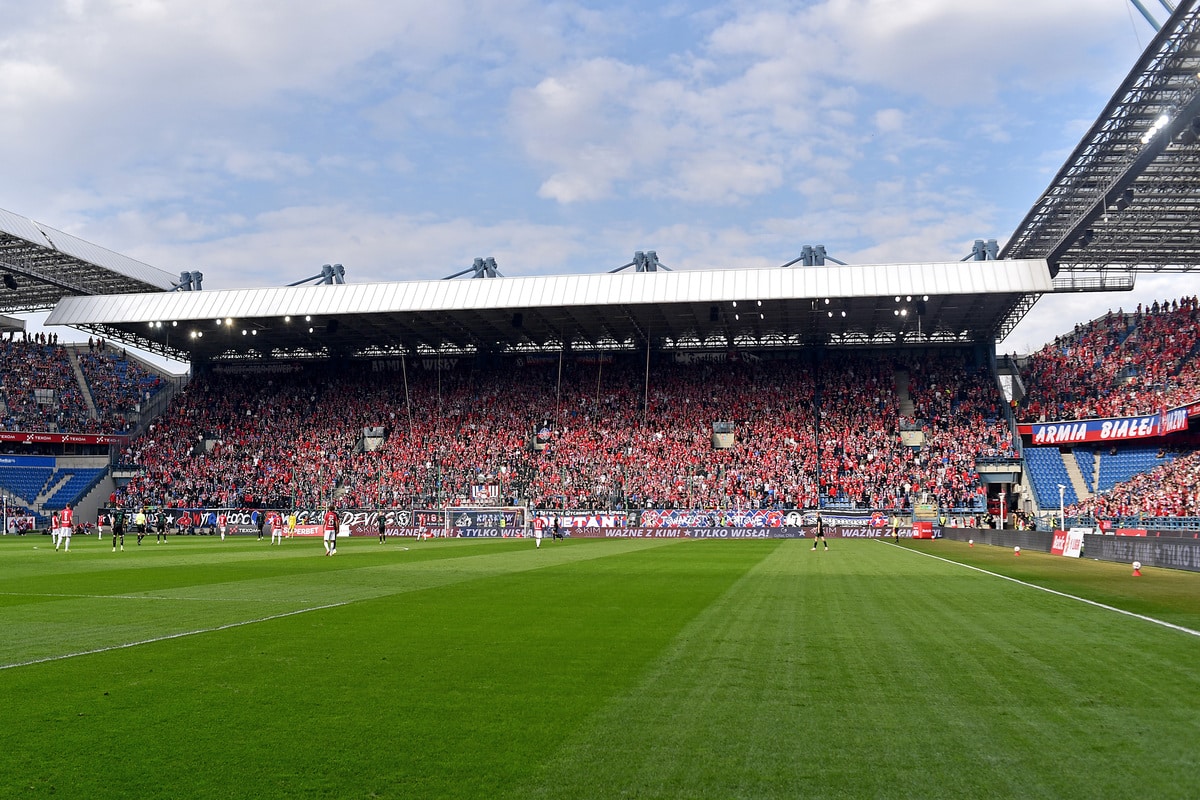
point(1073, 472)
point(56, 482)
point(903, 398)
point(1045, 471)
point(1007, 367)
point(910, 435)
point(73, 357)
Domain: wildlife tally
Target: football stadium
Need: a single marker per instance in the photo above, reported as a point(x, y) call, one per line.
point(473, 536)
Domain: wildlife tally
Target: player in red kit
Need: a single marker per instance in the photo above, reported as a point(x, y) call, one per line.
point(66, 522)
point(331, 531)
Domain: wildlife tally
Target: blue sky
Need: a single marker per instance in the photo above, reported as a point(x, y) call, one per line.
point(255, 141)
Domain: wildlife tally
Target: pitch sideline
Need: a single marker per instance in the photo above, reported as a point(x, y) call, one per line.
point(1106, 607)
point(170, 636)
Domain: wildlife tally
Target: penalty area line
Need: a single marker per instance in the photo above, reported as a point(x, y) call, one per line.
point(1104, 606)
point(169, 636)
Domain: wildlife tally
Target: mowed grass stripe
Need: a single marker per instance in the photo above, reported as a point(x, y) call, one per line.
point(94, 569)
point(867, 672)
point(457, 690)
point(59, 625)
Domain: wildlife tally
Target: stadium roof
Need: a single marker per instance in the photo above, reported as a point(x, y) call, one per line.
point(40, 265)
point(1127, 200)
point(959, 302)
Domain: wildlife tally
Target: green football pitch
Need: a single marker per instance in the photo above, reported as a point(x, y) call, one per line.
point(592, 669)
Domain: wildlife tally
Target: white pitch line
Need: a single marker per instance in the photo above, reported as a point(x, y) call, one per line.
point(169, 636)
point(124, 597)
point(1161, 622)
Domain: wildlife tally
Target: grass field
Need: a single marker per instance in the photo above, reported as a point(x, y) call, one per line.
point(591, 669)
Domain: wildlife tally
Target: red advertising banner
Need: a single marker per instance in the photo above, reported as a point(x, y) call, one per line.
point(922, 530)
point(37, 437)
point(1068, 543)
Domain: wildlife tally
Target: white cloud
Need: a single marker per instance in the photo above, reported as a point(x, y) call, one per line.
point(724, 176)
point(763, 80)
point(890, 120)
point(258, 140)
point(581, 120)
point(92, 93)
point(289, 244)
point(952, 53)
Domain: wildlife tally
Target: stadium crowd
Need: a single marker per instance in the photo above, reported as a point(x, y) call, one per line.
point(1119, 365)
point(1169, 490)
point(118, 386)
point(39, 388)
point(963, 419)
point(608, 437)
point(611, 439)
point(41, 392)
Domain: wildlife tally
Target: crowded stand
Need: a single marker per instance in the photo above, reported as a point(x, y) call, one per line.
point(962, 419)
point(1119, 365)
point(955, 407)
point(606, 435)
point(40, 390)
point(119, 386)
point(601, 433)
point(863, 461)
point(1171, 489)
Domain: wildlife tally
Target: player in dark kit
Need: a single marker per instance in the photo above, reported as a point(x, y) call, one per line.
point(118, 529)
point(819, 533)
point(160, 527)
point(382, 523)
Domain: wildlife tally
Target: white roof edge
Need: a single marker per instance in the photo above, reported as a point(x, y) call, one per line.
point(51, 238)
point(1028, 276)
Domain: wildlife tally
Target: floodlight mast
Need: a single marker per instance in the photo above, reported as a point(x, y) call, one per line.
point(482, 267)
point(813, 255)
point(983, 251)
point(644, 262)
point(188, 282)
point(329, 275)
